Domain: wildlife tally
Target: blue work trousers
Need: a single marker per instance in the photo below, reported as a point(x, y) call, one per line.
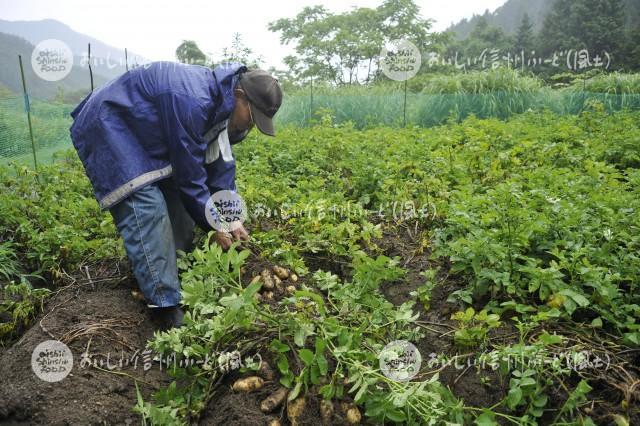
point(154, 224)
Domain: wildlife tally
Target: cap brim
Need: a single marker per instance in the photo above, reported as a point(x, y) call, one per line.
point(263, 122)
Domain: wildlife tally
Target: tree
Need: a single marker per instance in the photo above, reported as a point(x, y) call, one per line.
point(595, 25)
point(311, 32)
point(524, 40)
point(484, 38)
point(632, 50)
point(400, 19)
point(239, 52)
point(189, 53)
point(340, 48)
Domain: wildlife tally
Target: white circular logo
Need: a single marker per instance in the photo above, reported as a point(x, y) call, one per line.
point(225, 211)
point(52, 60)
point(51, 360)
point(400, 360)
point(400, 60)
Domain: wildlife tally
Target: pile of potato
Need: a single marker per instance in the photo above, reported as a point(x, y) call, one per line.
point(295, 408)
point(277, 281)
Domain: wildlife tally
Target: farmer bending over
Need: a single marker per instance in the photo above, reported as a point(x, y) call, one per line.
point(155, 144)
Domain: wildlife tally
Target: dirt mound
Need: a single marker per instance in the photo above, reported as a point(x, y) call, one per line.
point(97, 315)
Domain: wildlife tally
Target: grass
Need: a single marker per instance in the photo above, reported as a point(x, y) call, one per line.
point(434, 99)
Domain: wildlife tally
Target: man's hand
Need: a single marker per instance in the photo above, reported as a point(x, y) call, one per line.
point(240, 234)
point(225, 239)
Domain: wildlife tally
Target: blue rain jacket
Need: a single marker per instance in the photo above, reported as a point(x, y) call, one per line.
point(153, 122)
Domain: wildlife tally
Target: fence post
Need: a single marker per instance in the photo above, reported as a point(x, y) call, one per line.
point(90, 71)
point(311, 103)
point(27, 108)
point(404, 113)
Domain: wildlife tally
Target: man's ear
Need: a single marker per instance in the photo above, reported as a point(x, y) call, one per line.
point(239, 92)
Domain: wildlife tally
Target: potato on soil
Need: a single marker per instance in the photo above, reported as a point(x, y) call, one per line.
point(353, 415)
point(255, 279)
point(274, 400)
point(268, 296)
point(266, 372)
point(326, 411)
point(267, 279)
point(293, 278)
point(291, 289)
point(278, 284)
point(282, 273)
point(248, 384)
point(274, 422)
point(295, 409)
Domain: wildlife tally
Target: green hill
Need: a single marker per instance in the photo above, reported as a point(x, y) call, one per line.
point(509, 15)
point(72, 86)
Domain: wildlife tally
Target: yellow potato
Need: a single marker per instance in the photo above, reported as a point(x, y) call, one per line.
point(274, 400)
point(352, 413)
point(353, 416)
point(282, 273)
point(277, 281)
point(267, 279)
point(326, 411)
point(295, 409)
point(248, 384)
point(265, 371)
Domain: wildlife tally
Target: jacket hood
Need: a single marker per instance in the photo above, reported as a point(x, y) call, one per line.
point(226, 78)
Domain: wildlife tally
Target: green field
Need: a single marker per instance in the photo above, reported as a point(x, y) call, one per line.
point(513, 241)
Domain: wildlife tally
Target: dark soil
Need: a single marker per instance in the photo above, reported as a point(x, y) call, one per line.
point(465, 382)
point(87, 395)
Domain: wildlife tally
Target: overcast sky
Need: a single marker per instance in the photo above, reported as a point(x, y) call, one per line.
point(154, 28)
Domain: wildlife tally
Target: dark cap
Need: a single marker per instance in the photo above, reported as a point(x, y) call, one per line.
point(265, 96)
